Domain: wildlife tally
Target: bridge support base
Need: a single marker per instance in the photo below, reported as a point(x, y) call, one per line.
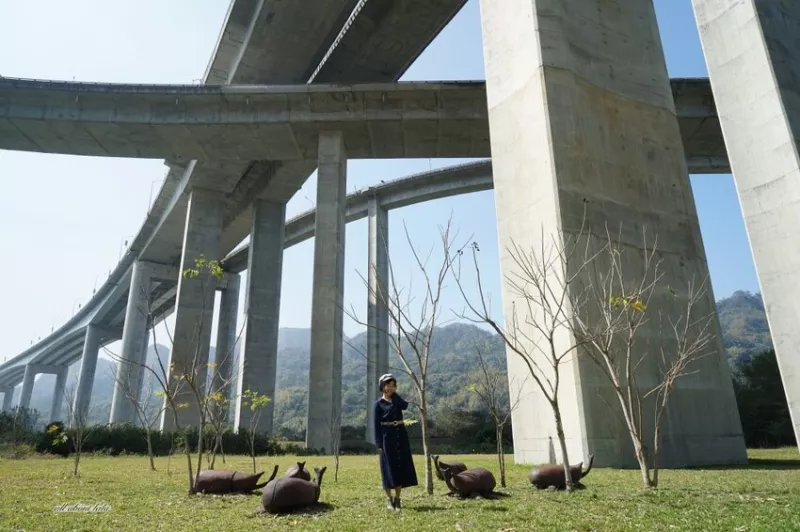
point(325, 374)
point(581, 116)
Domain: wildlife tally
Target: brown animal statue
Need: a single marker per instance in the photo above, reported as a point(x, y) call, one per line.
point(475, 482)
point(298, 471)
point(220, 482)
point(285, 494)
point(455, 467)
point(551, 476)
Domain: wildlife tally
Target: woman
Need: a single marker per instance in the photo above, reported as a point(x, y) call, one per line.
point(391, 439)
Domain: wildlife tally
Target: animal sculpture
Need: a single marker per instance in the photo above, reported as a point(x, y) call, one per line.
point(222, 482)
point(455, 467)
point(475, 482)
point(286, 494)
point(551, 476)
point(298, 471)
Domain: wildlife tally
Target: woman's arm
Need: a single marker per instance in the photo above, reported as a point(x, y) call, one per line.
point(399, 401)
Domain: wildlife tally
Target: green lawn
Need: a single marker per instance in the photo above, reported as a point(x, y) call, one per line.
point(763, 496)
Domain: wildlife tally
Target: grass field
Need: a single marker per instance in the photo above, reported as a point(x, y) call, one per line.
point(762, 496)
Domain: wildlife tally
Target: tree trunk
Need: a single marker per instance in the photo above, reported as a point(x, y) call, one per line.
point(77, 461)
point(641, 457)
point(424, 426)
point(562, 440)
point(200, 448)
point(150, 448)
point(500, 461)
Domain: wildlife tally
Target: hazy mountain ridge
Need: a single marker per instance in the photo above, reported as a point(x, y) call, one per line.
point(453, 366)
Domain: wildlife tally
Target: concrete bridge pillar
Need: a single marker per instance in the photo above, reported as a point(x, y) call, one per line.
point(8, 396)
point(751, 51)
point(227, 331)
point(194, 306)
point(58, 393)
point(582, 116)
point(132, 354)
point(325, 375)
point(91, 349)
point(377, 312)
point(258, 364)
point(27, 385)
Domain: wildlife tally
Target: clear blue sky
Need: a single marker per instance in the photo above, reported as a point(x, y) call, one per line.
point(64, 218)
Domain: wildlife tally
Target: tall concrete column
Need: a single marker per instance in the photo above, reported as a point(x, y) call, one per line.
point(227, 331)
point(27, 385)
point(377, 312)
point(91, 349)
point(132, 352)
point(258, 365)
point(58, 393)
point(582, 116)
point(325, 374)
point(8, 396)
point(194, 306)
point(752, 50)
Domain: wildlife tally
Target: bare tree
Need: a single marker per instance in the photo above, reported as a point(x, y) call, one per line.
point(336, 439)
point(147, 411)
point(617, 326)
point(493, 389)
point(544, 294)
point(411, 333)
point(256, 402)
point(179, 385)
point(81, 430)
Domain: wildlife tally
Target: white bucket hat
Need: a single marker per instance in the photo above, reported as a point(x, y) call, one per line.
point(385, 377)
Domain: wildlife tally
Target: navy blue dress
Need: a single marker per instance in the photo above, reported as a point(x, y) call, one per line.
point(397, 466)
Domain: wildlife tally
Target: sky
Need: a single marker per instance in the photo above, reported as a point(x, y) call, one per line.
point(65, 219)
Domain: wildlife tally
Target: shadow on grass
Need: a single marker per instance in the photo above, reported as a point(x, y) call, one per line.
point(311, 509)
point(755, 464)
point(426, 508)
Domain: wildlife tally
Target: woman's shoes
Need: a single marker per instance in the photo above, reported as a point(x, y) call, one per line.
point(390, 503)
point(393, 504)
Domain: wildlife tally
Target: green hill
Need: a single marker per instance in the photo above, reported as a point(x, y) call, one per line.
point(453, 367)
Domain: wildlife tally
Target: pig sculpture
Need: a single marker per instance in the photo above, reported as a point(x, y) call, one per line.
point(475, 482)
point(221, 482)
point(298, 471)
point(286, 494)
point(551, 476)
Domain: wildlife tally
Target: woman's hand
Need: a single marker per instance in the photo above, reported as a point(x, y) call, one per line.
point(380, 451)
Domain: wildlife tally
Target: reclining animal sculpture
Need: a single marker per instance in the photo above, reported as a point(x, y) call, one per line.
point(285, 494)
point(475, 482)
point(223, 482)
point(298, 471)
point(455, 467)
point(551, 476)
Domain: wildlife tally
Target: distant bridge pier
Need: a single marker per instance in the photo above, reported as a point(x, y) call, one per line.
point(325, 374)
point(581, 116)
point(377, 311)
point(8, 396)
point(194, 305)
point(227, 331)
point(31, 371)
point(58, 393)
point(134, 337)
point(752, 51)
point(259, 357)
point(83, 393)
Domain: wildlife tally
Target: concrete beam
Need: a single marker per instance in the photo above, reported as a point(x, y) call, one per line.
point(194, 306)
point(572, 86)
point(325, 374)
point(258, 365)
point(58, 394)
point(752, 50)
point(377, 311)
point(8, 396)
point(132, 353)
point(226, 339)
point(83, 394)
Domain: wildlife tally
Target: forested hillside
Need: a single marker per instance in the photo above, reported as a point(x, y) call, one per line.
point(453, 368)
